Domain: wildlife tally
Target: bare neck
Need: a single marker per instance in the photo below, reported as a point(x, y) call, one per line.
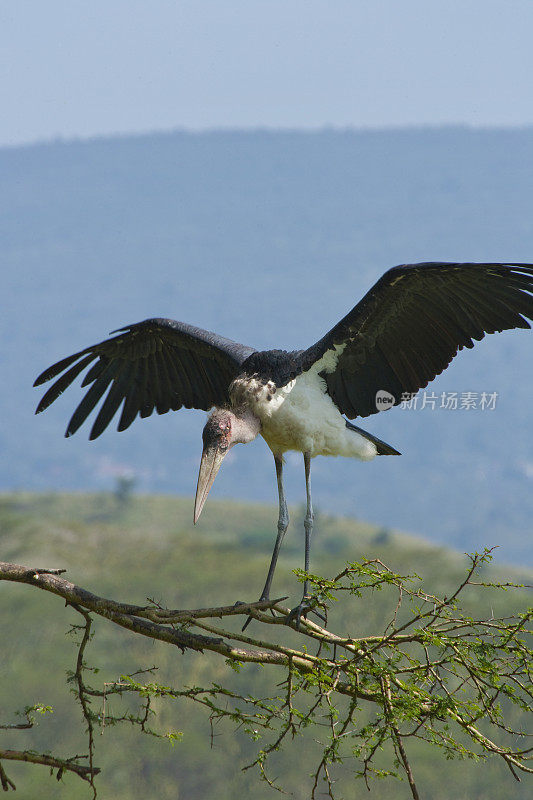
point(245, 426)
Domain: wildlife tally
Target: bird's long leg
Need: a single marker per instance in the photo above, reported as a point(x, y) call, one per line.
point(303, 607)
point(283, 524)
point(308, 521)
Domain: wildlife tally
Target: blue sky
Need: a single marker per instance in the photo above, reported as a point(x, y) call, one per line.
point(72, 69)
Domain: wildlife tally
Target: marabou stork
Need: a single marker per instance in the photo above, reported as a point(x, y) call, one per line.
point(403, 333)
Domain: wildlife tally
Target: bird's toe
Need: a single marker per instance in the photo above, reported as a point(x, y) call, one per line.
point(250, 618)
point(299, 612)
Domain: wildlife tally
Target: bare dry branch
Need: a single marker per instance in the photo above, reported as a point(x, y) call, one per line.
point(62, 765)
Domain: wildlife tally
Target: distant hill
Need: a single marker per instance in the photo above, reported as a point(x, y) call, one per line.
point(147, 547)
point(269, 238)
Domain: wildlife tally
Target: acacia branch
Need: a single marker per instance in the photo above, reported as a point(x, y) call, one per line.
point(437, 668)
point(62, 765)
point(129, 616)
point(82, 691)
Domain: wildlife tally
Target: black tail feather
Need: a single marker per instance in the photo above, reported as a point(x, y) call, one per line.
point(383, 448)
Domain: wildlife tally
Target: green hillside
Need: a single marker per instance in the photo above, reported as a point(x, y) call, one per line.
point(131, 548)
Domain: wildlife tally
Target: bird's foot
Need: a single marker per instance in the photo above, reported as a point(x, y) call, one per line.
point(250, 618)
point(300, 611)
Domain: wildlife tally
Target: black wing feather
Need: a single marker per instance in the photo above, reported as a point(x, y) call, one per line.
point(108, 409)
point(131, 403)
point(144, 395)
point(61, 384)
point(157, 364)
point(411, 324)
point(90, 400)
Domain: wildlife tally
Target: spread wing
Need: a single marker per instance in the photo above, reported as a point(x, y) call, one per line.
point(412, 323)
point(157, 364)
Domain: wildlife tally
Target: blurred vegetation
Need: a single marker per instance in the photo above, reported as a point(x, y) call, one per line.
point(147, 547)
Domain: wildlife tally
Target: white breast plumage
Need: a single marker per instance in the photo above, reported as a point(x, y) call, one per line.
point(301, 416)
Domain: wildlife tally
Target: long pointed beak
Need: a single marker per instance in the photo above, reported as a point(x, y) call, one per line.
point(212, 458)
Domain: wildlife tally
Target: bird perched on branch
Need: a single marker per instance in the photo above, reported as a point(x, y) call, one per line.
point(404, 332)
